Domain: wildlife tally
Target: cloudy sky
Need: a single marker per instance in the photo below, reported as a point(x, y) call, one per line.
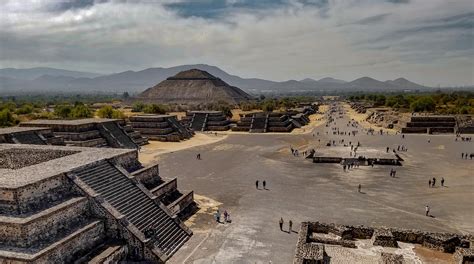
point(427, 41)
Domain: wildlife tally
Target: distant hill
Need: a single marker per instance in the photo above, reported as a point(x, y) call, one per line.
point(33, 73)
point(193, 86)
point(404, 83)
point(37, 80)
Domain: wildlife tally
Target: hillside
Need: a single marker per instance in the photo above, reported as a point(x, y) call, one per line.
point(19, 80)
point(193, 86)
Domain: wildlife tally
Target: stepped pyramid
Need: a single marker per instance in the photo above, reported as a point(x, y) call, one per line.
point(193, 86)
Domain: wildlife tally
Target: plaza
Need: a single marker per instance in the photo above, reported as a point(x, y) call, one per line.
point(300, 190)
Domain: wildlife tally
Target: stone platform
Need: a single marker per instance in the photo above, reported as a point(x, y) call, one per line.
point(29, 135)
point(346, 236)
point(60, 204)
point(160, 127)
point(365, 156)
point(91, 132)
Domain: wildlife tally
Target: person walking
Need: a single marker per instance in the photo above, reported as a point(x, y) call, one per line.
point(225, 216)
point(256, 184)
point(281, 224)
point(360, 187)
point(290, 225)
point(264, 184)
point(429, 183)
point(442, 182)
point(434, 181)
point(427, 210)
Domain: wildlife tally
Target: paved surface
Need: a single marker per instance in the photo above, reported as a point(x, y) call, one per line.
point(303, 191)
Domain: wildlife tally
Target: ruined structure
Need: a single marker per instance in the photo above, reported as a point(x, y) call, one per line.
point(91, 132)
point(193, 86)
point(363, 156)
point(29, 135)
point(206, 121)
point(314, 235)
point(160, 127)
point(431, 124)
point(262, 122)
point(62, 204)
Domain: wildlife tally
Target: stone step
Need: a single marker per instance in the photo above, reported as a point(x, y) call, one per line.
point(38, 227)
point(82, 239)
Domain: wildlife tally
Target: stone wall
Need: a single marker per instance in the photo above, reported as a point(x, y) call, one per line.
point(26, 231)
point(149, 176)
point(34, 197)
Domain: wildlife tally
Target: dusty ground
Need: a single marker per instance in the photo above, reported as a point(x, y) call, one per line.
point(362, 119)
point(151, 152)
point(300, 190)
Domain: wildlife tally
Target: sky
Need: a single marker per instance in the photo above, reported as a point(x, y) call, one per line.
point(427, 41)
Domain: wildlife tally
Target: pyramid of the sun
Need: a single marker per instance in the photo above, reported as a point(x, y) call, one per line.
point(193, 86)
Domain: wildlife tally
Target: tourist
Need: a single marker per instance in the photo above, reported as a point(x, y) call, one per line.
point(442, 182)
point(387, 149)
point(256, 184)
point(198, 156)
point(281, 224)
point(290, 225)
point(429, 183)
point(462, 155)
point(217, 216)
point(264, 184)
point(434, 181)
point(226, 215)
point(427, 210)
point(360, 187)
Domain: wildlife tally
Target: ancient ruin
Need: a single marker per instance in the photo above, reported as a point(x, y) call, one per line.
point(262, 122)
point(91, 132)
point(29, 135)
point(313, 236)
point(193, 86)
point(362, 157)
point(431, 124)
point(61, 204)
point(206, 121)
point(160, 127)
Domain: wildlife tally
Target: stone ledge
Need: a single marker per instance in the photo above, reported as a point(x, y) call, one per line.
point(77, 236)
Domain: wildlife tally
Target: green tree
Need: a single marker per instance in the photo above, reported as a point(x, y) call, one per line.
point(138, 107)
point(106, 112)
point(7, 118)
point(24, 109)
point(81, 111)
point(155, 109)
point(63, 111)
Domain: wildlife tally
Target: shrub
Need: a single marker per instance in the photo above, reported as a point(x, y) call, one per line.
point(7, 118)
point(155, 109)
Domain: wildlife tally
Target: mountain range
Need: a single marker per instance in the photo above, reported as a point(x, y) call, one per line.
point(38, 80)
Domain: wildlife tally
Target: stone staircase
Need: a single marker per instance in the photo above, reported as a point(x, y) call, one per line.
point(130, 199)
point(258, 124)
point(118, 134)
point(198, 122)
point(28, 138)
point(180, 128)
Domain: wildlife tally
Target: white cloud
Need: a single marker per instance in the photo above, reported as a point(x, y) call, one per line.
point(345, 39)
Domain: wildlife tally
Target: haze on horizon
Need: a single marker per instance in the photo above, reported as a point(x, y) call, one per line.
point(427, 41)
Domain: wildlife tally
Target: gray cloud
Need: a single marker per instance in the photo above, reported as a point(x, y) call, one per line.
point(429, 41)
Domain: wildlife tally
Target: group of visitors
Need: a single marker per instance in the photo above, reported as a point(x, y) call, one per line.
point(294, 152)
point(217, 217)
point(257, 184)
point(392, 173)
point(432, 182)
point(466, 155)
point(402, 148)
point(290, 225)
